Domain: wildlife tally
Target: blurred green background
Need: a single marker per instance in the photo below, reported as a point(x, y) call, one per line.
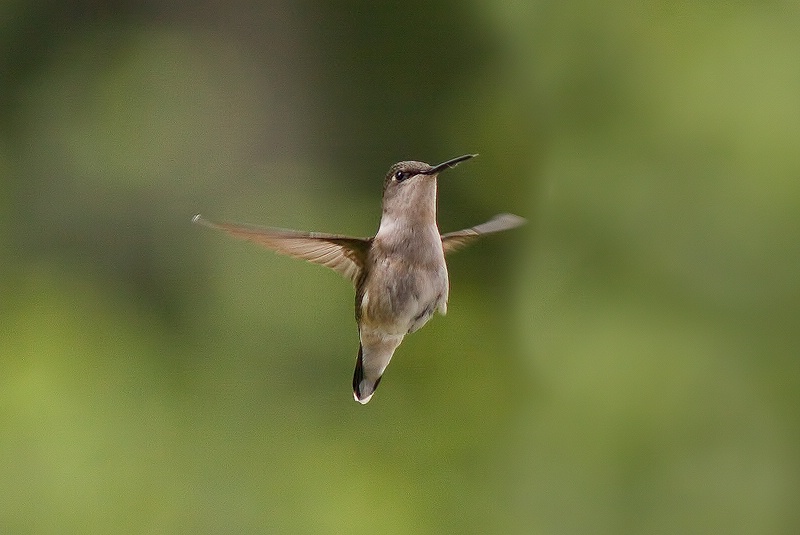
point(625, 363)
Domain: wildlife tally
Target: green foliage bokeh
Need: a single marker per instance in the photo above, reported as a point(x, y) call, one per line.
point(625, 363)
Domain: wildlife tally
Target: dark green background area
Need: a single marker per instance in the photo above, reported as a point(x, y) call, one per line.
point(626, 363)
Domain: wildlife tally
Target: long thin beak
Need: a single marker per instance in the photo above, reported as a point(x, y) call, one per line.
point(448, 164)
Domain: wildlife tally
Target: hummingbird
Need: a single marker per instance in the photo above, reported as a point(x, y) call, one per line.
point(400, 274)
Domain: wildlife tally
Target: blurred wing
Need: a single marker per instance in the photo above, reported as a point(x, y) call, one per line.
point(342, 254)
point(452, 241)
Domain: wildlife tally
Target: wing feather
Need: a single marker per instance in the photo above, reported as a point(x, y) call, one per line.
point(452, 241)
point(343, 254)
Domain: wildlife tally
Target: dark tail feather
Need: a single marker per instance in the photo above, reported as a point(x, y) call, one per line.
point(363, 388)
point(358, 375)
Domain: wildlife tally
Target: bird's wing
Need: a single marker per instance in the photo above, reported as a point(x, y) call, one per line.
point(453, 241)
point(343, 254)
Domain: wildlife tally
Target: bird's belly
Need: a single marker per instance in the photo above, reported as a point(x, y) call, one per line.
point(399, 303)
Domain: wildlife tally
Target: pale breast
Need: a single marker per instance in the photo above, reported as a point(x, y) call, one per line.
point(398, 298)
point(407, 280)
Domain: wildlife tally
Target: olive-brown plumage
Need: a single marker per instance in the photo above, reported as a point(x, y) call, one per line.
point(400, 274)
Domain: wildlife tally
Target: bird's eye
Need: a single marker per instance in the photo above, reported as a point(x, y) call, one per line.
point(401, 175)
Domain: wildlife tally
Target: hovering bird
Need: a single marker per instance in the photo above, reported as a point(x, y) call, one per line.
point(400, 274)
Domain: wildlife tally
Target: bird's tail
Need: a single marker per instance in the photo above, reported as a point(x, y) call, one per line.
point(364, 383)
point(371, 363)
